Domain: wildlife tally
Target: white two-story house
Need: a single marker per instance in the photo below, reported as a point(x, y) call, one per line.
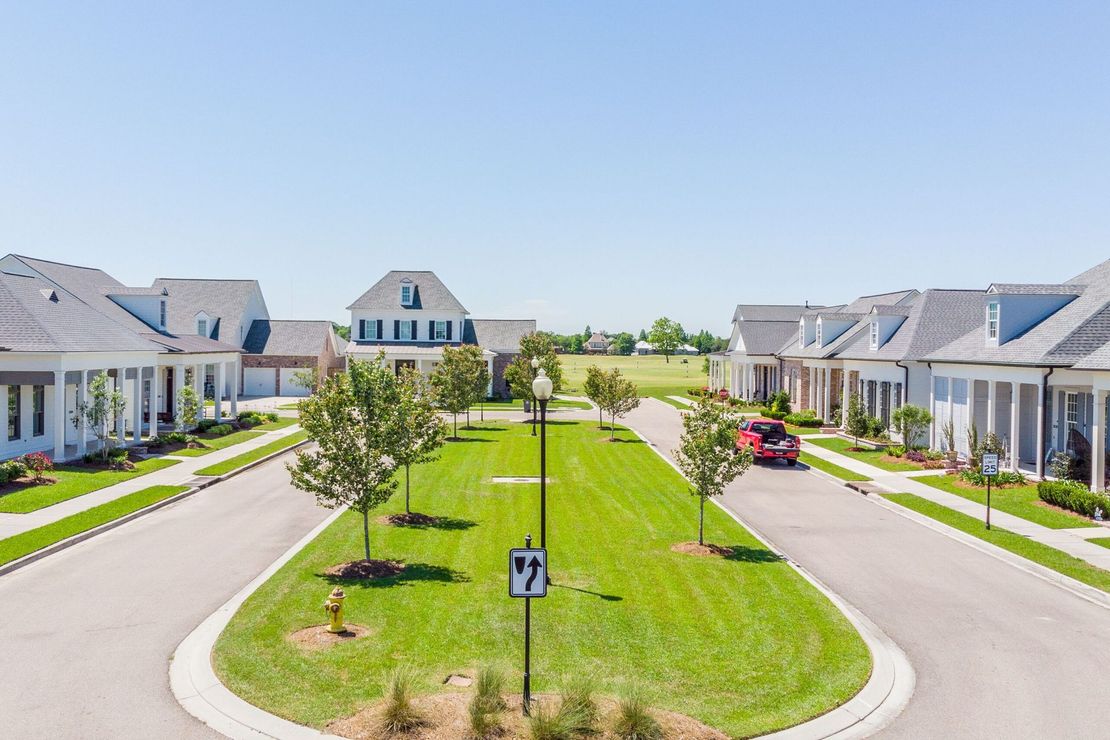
point(410, 316)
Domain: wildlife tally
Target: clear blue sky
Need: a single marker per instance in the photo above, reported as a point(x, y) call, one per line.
point(576, 162)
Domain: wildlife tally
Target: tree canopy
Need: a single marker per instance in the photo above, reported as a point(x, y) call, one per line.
point(460, 380)
point(519, 374)
point(666, 336)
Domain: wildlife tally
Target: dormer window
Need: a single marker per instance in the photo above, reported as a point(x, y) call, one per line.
point(818, 338)
point(801, 332)
point(406, 294)
point(992, 320)
point(202, 327)
point(874, 335)
point(162, 314)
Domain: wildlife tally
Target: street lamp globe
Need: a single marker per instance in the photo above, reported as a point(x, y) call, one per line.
point(541, 386)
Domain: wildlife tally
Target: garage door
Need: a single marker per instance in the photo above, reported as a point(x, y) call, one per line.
point(289, 386)
point(258, 381)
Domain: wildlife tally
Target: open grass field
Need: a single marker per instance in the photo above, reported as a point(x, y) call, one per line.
point(73, 481)
point(1017, 500)
point(742, 643)
point(32, 540)
point(1050, 557)
point(651, 373)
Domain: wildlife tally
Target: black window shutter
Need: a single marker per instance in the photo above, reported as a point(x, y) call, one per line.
point(432, 329)
point(449, 323)
point(379, 337)
point(362, 328)
point(413, 336)
point(396, 328)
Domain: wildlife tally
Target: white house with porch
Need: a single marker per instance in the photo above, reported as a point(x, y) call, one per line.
point(749, 367)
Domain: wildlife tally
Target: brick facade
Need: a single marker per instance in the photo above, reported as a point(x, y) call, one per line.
point(500, 387)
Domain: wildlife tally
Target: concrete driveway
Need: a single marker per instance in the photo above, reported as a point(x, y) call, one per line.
point(998, 652)
point(87, 634)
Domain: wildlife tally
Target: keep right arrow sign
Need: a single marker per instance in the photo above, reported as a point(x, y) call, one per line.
point(528, 572)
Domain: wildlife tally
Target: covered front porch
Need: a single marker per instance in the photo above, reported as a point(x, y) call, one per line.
point(423, 359)
point(752, 377)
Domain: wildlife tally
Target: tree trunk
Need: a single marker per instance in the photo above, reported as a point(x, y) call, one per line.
point(468, 417)
point(667, 358)
point(455, 423)
point(600, 418)
point(407, 511)
point(366, 532)
point(701, 522)
point(612, 426)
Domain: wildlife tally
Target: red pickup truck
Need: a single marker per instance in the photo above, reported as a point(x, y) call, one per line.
point(768, 440)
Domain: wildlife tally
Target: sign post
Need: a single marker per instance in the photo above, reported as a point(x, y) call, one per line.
point(527, 580)
point(989, 468)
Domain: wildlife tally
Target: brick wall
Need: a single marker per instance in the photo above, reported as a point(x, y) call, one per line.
point(500, 387)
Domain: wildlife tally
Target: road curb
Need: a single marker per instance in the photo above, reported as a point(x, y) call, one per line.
point(109, 526)
point(892, 680)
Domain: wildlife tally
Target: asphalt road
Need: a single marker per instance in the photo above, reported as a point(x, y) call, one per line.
point(87, 633)
point(999, 653)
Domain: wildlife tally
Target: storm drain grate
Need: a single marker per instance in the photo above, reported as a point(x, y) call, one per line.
point(517, 479)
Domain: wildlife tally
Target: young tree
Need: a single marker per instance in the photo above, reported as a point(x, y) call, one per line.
point(455, 381)
point(308, 378)
point(594, 388)
point(480, 379)
point(665, 337)
point(420, 430)
point(187, 407)
point(575, 345)
point(857, 421)
point(352, 419)
point(707, 453)
point(519, 374)
point(103, 405)
point(911, 422)
point(619, 396)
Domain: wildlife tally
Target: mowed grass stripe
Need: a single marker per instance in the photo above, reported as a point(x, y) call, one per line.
point(257, 453)
point(74, 481)
point(744, 644)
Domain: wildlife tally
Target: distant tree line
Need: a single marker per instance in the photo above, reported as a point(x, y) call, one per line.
point(665, 336)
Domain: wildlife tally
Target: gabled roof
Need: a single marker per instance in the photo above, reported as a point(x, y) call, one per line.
point(858, 312)
point(191, 343)
point(863, 304)
point(290, 338)
point(36, 316)
point(1052, 342)
point(224, 301)
point(500, 335)
point(769, 312)
point(597, 338)
point(1034, 289)
point(935, 318)
point(766, 337)
point(430, 293)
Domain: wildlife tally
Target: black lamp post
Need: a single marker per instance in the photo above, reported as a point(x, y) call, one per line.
point(535, 368)
point(541, 390)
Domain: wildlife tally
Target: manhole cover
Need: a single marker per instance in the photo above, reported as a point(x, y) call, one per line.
point(517, 479)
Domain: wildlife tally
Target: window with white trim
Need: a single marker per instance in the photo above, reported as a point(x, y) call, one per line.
point(406, 330)
point(162, 314)
point(406, 295)
point(802, 333)
point(441, 331)
point(202, 327)
point(818, 332)
point(38, 410)
point(369, 329)
point(874, 335)
point(13, 412)
point(992, 320)
point(1071, 412)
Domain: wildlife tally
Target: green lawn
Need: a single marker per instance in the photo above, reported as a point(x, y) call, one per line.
point(248, 457)
point(651, 373)
point(1101, 541)
point(871, 457)
point(744, 643)
point(32, 540)
point(1017, 500)
point(289, 407)
point(1047, 556)
point(831, 468)
point(211, 443)
point(802, 431)
point(73, 481)
point(518, 405)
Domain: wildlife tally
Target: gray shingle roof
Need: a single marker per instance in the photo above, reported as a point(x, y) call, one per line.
point(859, 309)
point(225, 301)
point(289, 338)
point(1085, 339)
point(37, 317)
point(1034, 289)
point(1097, 360)
point(191, 343)
point(769, 312)
point(765, 337)
point(863, 304)
point(932, 320)
point(499, 335)
point(1036, 345)
point(430, 293)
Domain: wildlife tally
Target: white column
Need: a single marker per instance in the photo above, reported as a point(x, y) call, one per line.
point(1040, 429)
point(932, 411)
point(59, 414)
point(971, 402)
point(155, 399)
point(1098, 443)
point(137, 407)
point(992, 390)
point(951, 410)
point(827, 390)
point(82, 396)
point(218, 380)
point(198, 388)
point(121, 375)
point(1015, 428)
point(233, 368)
point(178, 384)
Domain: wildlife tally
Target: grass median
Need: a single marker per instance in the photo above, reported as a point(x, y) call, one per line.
point(741, 642)
point(831, 468)
point(36, 539)
point(878, 458)
point(73, 481)
point(1039, 553)
point(213, 443)
point(257, 453)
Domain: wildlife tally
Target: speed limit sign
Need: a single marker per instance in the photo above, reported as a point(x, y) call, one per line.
point(990, 463)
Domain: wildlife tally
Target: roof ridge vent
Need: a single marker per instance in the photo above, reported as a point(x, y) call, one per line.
point(49, 294)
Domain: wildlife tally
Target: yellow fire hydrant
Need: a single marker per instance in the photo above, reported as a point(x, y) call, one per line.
point(333, 607)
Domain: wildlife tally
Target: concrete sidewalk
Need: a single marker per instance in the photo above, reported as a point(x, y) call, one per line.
point(1067, 540)
point(175, 475)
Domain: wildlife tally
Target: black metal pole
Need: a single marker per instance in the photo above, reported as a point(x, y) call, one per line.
point(988, 502)
point(527, 645)
point(543, 473)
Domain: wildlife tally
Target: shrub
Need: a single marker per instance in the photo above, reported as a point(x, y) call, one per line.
point(898, 451)
point(271, 416)
point(250, 418)
point(911, 422)
point(12, 470)
point(807, 418)
point(205, 424)
point(547, 723)
point(779, 402)
point(916, 456)
point(220, 430)
point(1073, 496)
point(38, 464)
point(1061, 466)
point(482, 724)
point(633, 721)
point(772, 414)
point(875, 428)
point(934, 455)
point(489, 686)
point(1004, 478)
point(399, 715)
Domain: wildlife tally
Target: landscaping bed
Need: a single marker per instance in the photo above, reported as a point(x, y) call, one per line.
point(740, 642)
point(69, 481)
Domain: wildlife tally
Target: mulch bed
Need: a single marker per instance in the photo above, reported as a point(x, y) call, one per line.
point(411, 519)
point(445, 718)
point(707, 550)
point(25, 482)
point(317, 637)
point(365, 570)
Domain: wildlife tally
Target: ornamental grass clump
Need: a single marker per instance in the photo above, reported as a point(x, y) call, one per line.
point(399, 715)
point(577, 702)
point(632, 720)
point(487, 703)
point(549, 723)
